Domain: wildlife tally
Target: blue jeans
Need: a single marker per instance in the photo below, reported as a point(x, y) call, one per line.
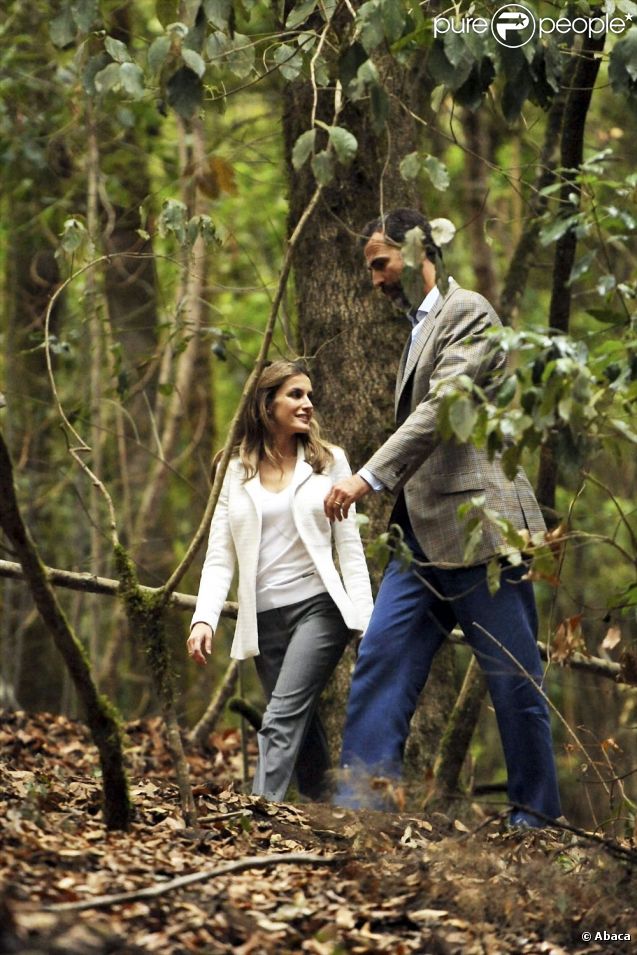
point(415, 610)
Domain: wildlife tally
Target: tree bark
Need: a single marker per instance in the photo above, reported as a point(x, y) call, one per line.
point(476, 188)
point(571, 155)
point(350, 339)
point(526, 247)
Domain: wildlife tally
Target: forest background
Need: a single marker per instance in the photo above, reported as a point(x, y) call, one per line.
point(178, 175)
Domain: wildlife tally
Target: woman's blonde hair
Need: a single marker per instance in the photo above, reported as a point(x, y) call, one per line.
point(255, 439)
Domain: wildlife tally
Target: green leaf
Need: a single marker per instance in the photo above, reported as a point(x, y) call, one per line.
point(494, 572)
point(453, 75)
point(366, 77)
point(350, 62)
point(581, 267)
point(393, 16)
point(289, 60)
point(62, 29)
point(624, 430)
point(132, 79)
point(108, 78)
point(323, 167)
point(412, 249)
point(437, 172)
point(410, 166)
point(372, 27)
point(73, 235)
point(172, 219)
point(94, 66)
point(217, 46)
point(462, 418)
point(622, 68)
point(442, 230)
point(557, 229)
point(506, 391)
point(193, 61)
point(218, 12)
point(157, 53)
point(303, 148)
point(510, 460)
point(608, 315)
point(299, 14)
point(241, 56)
point(202, 226)
point(184, 92)
point(167, 11)
point(117, 50)
point(345, 143)
point(84, 13)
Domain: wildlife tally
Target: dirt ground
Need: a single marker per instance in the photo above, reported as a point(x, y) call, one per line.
point(284, 879)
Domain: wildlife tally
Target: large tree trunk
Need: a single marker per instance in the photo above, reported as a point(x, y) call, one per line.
point(350, 339)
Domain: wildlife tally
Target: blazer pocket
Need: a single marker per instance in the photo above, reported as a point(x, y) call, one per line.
point(458, 482)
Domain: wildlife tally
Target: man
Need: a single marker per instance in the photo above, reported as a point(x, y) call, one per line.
point(416, 608)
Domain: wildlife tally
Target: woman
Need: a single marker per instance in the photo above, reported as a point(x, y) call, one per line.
point(296, 614)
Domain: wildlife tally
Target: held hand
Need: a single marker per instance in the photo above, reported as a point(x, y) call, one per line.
point(343, 495)
point(199, 643)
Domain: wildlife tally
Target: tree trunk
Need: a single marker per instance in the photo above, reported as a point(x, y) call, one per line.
point(100, 714)
point(572, 152)
point(350, 339)
point(476, 188)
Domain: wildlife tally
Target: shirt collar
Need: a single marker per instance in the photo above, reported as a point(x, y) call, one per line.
point(428, 302)
point(416, 316)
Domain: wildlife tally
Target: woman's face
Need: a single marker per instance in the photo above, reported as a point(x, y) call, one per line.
point(292, 408)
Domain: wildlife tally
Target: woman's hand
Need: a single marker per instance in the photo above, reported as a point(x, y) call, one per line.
point(199, 642)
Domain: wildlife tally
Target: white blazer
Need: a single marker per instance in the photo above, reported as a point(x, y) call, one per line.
point(235, 531)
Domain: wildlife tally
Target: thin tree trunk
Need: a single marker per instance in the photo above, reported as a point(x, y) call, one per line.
point(199, 734)
point(185, 377)
point(572, 152)
point(526, 248)
point(100, 714)
point(456, 740)
point(476, 192)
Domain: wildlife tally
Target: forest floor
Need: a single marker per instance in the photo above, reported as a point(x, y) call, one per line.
point(393, 883)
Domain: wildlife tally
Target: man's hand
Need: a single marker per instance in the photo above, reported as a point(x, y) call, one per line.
point(343, 495)
point(199, 642)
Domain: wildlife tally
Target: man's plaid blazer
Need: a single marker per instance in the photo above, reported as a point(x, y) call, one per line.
point(437, 476)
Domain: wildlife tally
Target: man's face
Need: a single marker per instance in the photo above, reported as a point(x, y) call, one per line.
point(385, 263)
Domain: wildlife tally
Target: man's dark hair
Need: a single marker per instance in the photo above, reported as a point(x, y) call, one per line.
point(397, 223)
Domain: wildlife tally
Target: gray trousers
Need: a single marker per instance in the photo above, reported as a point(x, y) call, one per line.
point(299, 646)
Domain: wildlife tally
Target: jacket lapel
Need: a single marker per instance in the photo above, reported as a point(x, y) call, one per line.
point(302, 470)
point(412, 354)
point(251, 488)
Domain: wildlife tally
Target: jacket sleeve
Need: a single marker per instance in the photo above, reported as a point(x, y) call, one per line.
point(462, 348)
point(218, 566)
point(351, 557)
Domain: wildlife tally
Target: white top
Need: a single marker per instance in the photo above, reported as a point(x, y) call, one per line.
point(235, 538)
point(286, 573)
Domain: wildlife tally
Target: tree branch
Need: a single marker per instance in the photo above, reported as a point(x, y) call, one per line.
point(90, 584)
point(151, 892)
